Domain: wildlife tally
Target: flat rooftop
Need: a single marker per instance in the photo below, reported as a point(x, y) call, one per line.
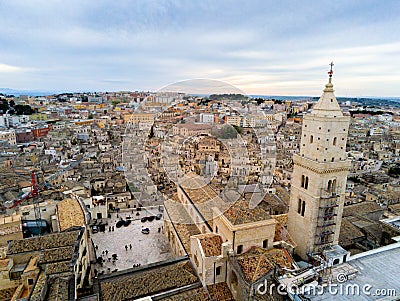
point(377, 268)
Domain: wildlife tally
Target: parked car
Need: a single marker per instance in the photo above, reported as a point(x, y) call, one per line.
point(143, 219)
point(120, 224)
point(127, 222)
point(95, 229)
point(151, 218)
point(158, 216)
point(145, 230)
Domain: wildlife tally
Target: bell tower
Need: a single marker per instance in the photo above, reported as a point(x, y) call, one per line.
point(319, 176)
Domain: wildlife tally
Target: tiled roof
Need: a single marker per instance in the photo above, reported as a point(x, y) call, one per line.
point(220, 292)
point(349, 232)
point(282, 195)
point(240, 213)
point(70, 214)
point(257, 262)
point(59, 254)
point(281, 219)
point(183, 223)
point(211, 244)
point(203, 196)
point(51, 241)
point(361, 208)
point(148, 281)
point(282, 234)
point(58, 267)
point(58, 289)
point(38, 290)
point(184, 232)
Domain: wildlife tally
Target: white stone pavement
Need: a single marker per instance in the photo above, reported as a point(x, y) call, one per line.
point(146, 249)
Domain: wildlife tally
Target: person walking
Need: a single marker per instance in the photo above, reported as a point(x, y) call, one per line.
point(126, 248)
point(130, 246)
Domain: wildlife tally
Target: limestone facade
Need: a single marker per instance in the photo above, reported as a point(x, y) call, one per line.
point(319, 177)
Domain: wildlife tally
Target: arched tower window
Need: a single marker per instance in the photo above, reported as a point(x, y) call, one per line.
point(330, 185)
point(334, 185)
point(311, 139)
point(306, 183)
point(303, 208)
point(302, 181)
point(334, 141)
point(299, 206)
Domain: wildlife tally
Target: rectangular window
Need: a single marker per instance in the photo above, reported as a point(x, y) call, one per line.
point(239, 249)
point(265, 243)
point(218, 271)
point(303, 208)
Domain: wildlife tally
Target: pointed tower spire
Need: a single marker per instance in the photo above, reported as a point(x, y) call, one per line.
point(327, 105)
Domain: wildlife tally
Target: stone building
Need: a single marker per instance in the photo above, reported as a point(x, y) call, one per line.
point(319, 177)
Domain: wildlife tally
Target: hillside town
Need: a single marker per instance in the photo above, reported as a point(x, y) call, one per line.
point(172, 196)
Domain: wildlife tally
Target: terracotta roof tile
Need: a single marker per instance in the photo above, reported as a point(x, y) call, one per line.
point(70, 214)
point(257, 262)
point(147, 282)
point(211, 244)
point(240, 213)
point(51, 241)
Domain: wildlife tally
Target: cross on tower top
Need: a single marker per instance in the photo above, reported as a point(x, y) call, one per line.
point(331, 71)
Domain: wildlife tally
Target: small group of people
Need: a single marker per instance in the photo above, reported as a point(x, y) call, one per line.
point(126, 247)
point(113, 258)
point(136, 265)
point(110, 228)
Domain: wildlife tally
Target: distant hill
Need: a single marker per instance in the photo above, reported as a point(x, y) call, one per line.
point(8, 91)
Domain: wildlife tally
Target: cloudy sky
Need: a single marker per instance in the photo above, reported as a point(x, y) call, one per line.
point(262, 47)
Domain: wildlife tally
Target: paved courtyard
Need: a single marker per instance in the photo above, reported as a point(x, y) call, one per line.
point(146, 248)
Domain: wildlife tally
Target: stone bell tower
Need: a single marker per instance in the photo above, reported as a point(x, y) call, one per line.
point(319, 176)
